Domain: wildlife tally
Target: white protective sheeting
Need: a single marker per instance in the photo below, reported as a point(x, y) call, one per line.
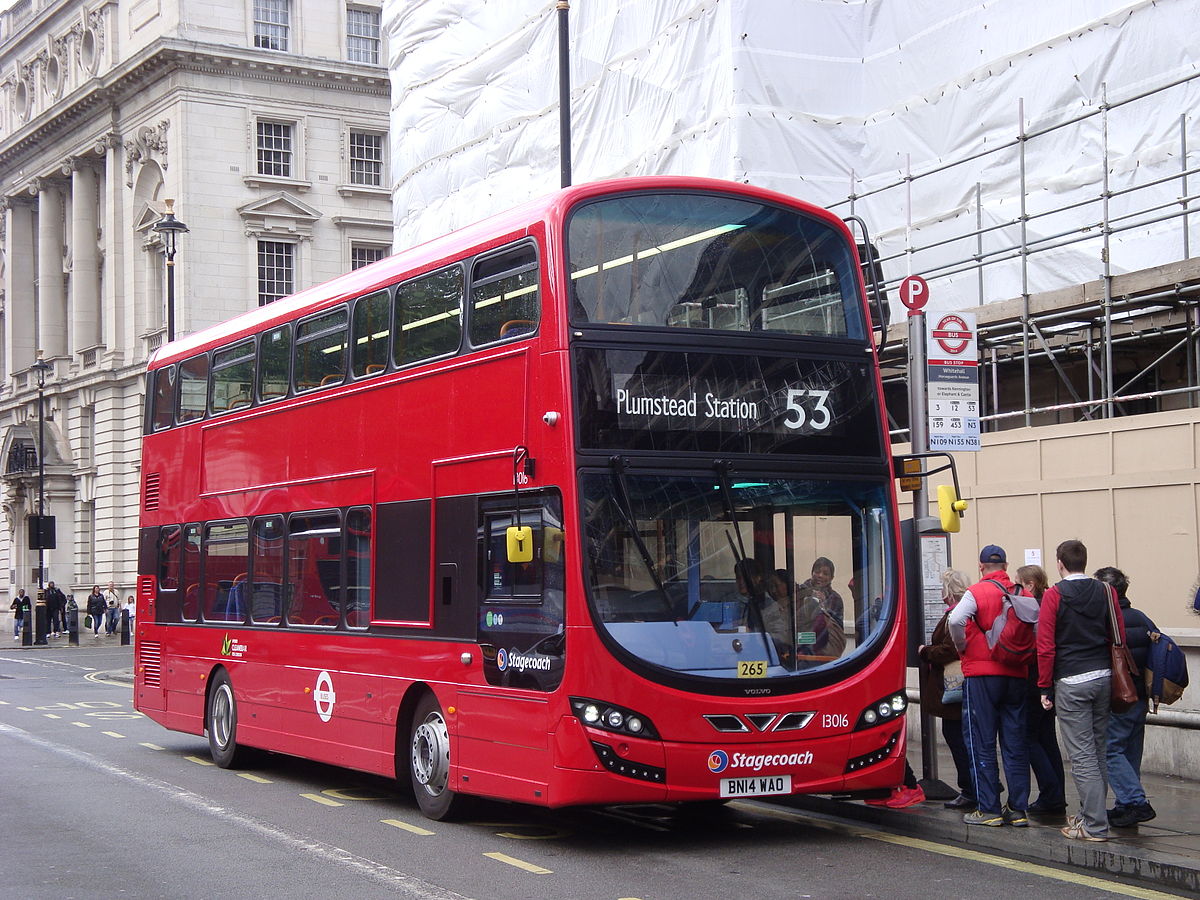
point(818, 99)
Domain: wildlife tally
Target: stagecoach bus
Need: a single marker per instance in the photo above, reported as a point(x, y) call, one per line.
point(589, 503)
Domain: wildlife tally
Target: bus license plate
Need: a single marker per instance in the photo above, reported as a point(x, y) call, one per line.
point(758, 786)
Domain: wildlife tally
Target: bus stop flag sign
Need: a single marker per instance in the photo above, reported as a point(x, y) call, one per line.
point(952, 377)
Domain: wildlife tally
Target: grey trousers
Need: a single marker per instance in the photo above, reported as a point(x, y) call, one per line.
point(1083, 723)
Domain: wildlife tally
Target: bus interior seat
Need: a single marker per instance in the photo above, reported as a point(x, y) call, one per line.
point(332, 378)
point(375, 367)
point(516, 326)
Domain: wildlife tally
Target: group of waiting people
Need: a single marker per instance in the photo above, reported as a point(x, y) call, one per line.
point(104, 608)
point(1070, 682)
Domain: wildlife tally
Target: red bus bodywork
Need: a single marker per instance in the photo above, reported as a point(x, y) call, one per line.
point(448, 429)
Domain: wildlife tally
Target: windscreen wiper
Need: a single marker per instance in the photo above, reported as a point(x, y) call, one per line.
point(625, 508)
point(741, 562)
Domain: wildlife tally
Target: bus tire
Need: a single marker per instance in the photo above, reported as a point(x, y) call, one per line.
point(220, 721)
point(429, 761)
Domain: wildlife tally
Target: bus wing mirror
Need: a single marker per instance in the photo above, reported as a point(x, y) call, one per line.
point(520, 543)
point(950, 508)
point(552, 543)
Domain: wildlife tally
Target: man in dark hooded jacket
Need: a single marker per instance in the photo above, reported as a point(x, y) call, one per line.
point(1075, 677)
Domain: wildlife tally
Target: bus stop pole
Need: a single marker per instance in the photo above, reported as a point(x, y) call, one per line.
point(922, 523)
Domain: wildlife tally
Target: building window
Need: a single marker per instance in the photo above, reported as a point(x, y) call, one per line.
point(275, 149)
point(362, 255)
point(362, 35)
point(276, 270)
point(272, 20)
point(366, 158)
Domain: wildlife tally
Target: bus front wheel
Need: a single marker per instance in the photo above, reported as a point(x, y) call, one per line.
point(220, 721)
point(429, 761)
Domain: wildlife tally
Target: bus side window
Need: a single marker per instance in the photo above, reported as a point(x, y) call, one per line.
point(226, 548)
point(504, 296)
point(162, 413)
point(314, 567)
point(321, 351)
point(189, 577)
point(358, 568)
point(170, 551)
point(193, 389)
point(266, 570)
point(274, 363)
point(232, 375)
point(429, 316)
point(371, 331)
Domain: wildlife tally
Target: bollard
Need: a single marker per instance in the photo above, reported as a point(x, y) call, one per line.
point(41, 623)
point(124, 628)
point(73, 626)
point(27, 628)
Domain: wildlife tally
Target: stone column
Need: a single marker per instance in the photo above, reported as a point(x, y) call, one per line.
point(20, 336)
point(52, 298)
point(85, 257)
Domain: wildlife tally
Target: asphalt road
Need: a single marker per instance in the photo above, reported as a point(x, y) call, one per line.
point(97, 801)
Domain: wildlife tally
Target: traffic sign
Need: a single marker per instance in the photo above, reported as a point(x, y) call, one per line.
point(952, 382)
point(914, 292)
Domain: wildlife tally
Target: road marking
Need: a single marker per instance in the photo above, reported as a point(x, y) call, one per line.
point(317, 798)
point(115, 734)
point(81, 724)
point(353, 794)
point(150, 746)
point(404, 826)
point(51, 716)
point(200, 762)
point(1111, 887)
point(519, 863)
point(257, 779)
point(393, 879)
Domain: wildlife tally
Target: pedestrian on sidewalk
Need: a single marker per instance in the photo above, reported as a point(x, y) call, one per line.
point(95, 608)
point(112, 603)
point(994, 698)
point(1075, 679)
point(1045, 757)
point(18, 606)
point(56, 610)
point(938, 657)
point(1127, 730)
point(131, 610)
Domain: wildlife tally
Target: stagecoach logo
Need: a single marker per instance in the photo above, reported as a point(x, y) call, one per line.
point(511, 659)
point(719, 760)
point(324, 696)
point(230, 647)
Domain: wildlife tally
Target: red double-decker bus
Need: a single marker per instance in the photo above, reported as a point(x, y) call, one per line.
point(589, 503)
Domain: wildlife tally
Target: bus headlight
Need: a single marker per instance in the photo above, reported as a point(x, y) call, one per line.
point(885, 709)
point(610, 717)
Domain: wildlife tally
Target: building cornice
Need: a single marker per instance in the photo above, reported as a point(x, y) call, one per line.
point(108, 91)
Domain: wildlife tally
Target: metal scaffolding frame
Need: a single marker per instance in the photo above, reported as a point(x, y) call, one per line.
point(1080, 331)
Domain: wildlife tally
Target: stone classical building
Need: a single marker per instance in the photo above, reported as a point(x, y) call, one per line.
point(264, 120)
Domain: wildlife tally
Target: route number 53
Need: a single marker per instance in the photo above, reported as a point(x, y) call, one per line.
point(816, 413)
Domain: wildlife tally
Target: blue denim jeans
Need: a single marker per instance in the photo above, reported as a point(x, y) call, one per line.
point(1126, 732)
point(994, 706)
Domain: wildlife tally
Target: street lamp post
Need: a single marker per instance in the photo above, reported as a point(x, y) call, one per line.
point(41, 367)
point(170, 228)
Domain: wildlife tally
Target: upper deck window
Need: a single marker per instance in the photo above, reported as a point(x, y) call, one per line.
point(710, 262)
point(504, 296)
point(162, 413)
point(429, 316)
point(232, 377)
point(321, 351)
point(193, 389)
point(372, 328)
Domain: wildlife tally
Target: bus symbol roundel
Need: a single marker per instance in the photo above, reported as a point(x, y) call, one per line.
point(952, 334)
point(324, 696)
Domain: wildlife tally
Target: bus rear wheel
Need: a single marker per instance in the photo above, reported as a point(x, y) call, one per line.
point(429, 762)
point(220, 721)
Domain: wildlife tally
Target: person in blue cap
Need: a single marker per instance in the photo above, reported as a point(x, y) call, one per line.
point(993, 698)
